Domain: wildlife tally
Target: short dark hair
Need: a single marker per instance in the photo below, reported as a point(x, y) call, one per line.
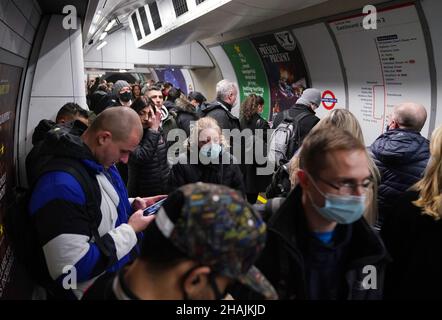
point(71, 110)
point(197, 96)
point(322, 141)
point(142, 102)
point(174, 93)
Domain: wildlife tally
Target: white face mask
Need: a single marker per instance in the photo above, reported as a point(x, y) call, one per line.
point(211, 150)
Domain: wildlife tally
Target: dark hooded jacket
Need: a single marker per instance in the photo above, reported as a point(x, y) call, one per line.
point(40, 153)
point(148, 166)
point(41, 130)
point(401, 156)
point(296, 271)
point(221, 112)
point(184, 115)
point(228, 174)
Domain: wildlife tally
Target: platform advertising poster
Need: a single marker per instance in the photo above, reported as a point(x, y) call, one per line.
point(9, 87)
point(174, 76)
point(285, 68)
point(249, 72)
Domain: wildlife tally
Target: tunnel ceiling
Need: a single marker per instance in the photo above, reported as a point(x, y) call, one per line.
point(56, 7)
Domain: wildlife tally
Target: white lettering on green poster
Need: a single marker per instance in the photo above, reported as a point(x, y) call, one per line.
point(249, 72)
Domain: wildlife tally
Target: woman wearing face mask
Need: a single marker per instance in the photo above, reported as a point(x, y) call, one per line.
point(206, 159)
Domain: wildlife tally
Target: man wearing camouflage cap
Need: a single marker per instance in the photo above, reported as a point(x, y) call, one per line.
point(205, 238)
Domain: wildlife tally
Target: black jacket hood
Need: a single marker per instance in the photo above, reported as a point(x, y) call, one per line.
point(66, 141)
point(41, 130)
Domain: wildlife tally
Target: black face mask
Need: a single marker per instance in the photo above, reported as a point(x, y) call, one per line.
point(126, 96)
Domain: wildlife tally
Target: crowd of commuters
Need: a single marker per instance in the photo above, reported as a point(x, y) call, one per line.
point(352, 221)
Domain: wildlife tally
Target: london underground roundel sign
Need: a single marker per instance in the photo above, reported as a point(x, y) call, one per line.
point(329, 99)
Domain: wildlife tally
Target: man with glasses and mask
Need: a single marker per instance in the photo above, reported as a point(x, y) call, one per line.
point(319, 246)
point(204, 238)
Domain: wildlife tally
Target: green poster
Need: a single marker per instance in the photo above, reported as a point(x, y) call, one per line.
point(249, 72)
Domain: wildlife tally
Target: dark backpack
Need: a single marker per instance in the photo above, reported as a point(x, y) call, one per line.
point(280, 185)
point(286, 139)
point(22, 234)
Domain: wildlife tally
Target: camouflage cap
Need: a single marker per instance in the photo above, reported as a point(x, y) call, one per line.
point(215, 226)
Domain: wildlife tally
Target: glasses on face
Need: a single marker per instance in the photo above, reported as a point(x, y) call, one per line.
point(156, 97)
point(349, 187)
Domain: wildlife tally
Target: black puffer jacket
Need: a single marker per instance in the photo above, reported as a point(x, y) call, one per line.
point(226, 174)
point(221, 112)
point(401, 157)
point(148, 166)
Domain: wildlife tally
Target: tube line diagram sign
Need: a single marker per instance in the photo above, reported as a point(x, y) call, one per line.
point(385, 66)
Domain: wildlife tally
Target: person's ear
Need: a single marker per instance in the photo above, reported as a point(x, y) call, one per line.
point(104, 137)
point(394, 124)
point(302, 178)
point(196, 282)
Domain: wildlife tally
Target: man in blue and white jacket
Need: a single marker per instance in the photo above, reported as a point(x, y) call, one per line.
point(58, 202)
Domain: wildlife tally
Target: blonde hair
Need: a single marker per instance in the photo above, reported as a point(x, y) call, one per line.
point(430, 186)
point(203, 124)
point(344, 119)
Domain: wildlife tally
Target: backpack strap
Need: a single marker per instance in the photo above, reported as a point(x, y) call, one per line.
point(298, 120)
point(286, 116)
point(79, 172)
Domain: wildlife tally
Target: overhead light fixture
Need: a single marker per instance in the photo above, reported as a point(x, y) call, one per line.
point(123, 71)
point(102, 45)
point(96, 17)
point(110, 25)
point(103, 35)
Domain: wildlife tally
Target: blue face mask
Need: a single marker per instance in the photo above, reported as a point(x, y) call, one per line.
point(211, 150)
point(343, 209)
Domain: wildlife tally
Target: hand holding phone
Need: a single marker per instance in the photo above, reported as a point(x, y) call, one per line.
point(153, 209)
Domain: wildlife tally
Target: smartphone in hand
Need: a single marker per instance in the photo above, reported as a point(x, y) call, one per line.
point(153, 209)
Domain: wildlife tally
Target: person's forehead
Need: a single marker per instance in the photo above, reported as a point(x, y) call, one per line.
point(209, 132)
point(154, 93)
point(130, 143)
point(346, 163)
point(146, 109)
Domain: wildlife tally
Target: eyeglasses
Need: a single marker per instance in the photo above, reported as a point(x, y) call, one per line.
point(348, 187)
